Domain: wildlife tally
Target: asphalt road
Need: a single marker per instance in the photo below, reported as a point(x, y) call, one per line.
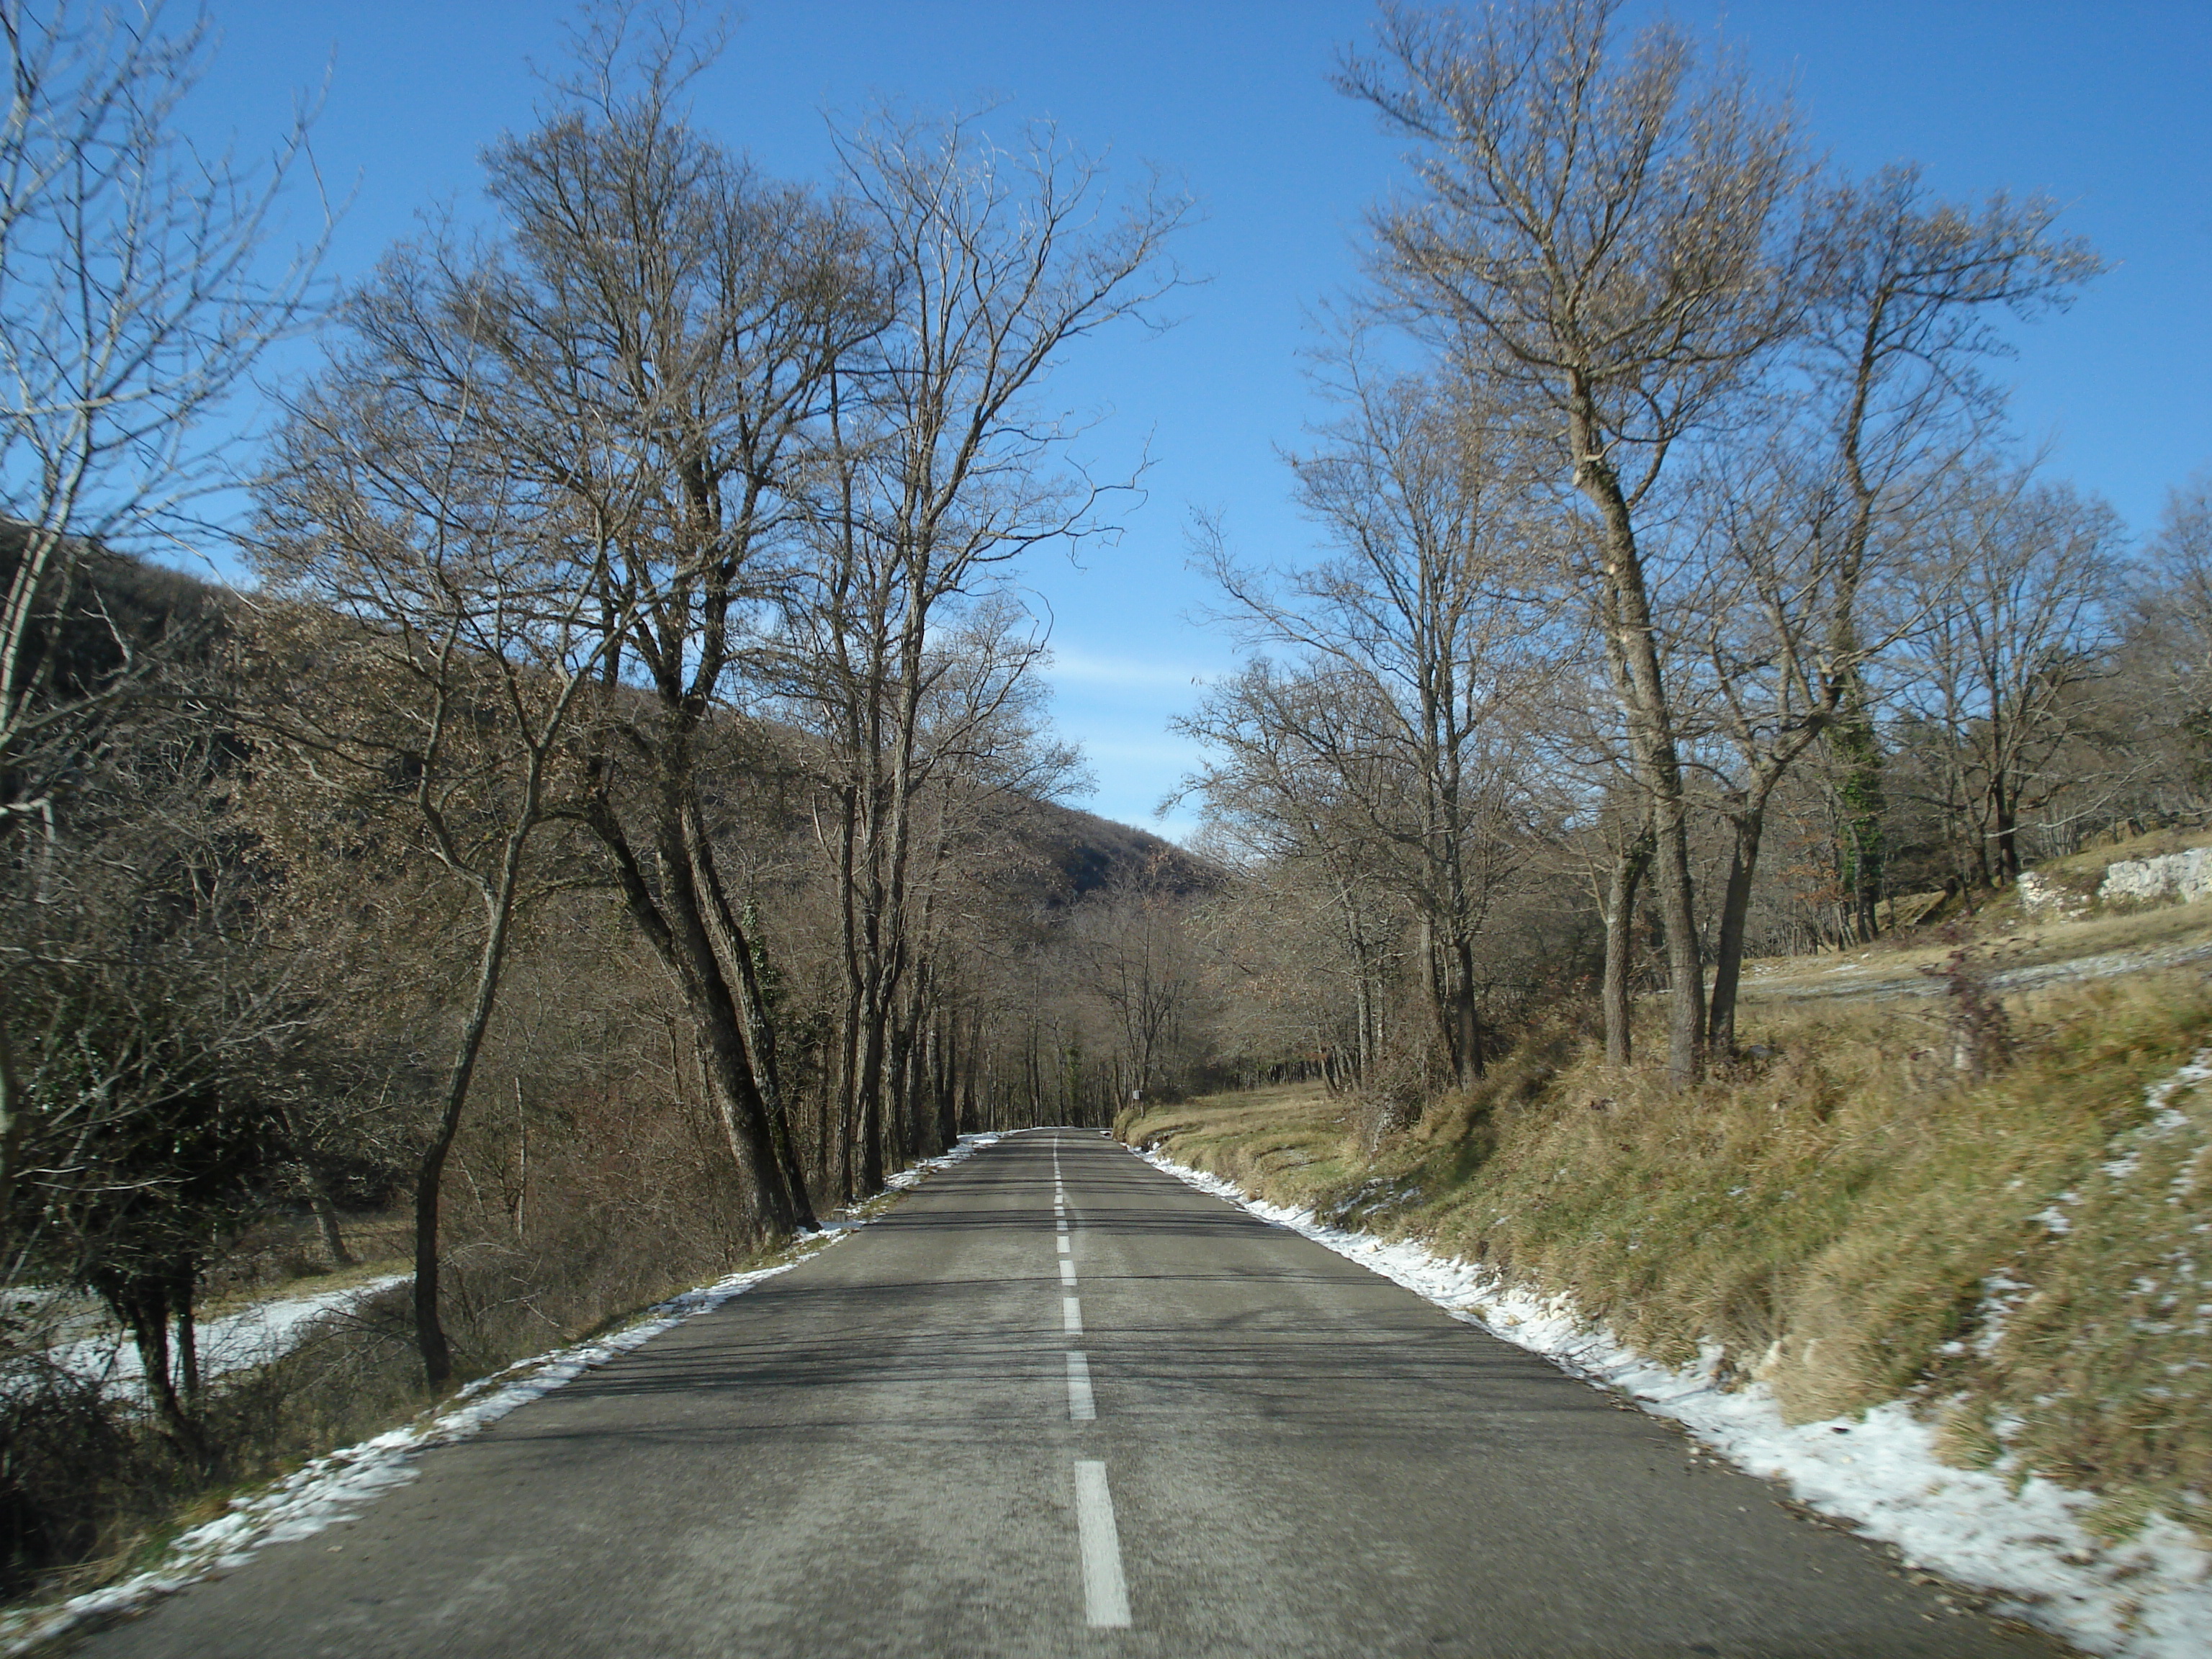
point(1171, 1429)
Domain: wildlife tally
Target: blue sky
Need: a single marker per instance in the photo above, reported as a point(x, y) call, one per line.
point(2101, 105)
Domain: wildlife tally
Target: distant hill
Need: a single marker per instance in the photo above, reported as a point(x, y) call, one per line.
point(1088, 854)
point(1071, 853)
point(115, 602)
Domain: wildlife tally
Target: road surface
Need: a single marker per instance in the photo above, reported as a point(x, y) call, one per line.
point(1059, 1403)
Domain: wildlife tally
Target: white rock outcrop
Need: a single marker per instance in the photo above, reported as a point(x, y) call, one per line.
point(2184, 876)
point(2039, 896)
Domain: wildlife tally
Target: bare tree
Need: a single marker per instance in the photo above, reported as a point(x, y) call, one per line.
point(1138, 958)
point(133, 300)
point(1302, 970)
point(1298, 796)
point(650, 342)
point(2165, 655)
point(1598, 233)
point(1626, 841)
point(455, 656)
point(155, 1023)
point(2000, 683)
point(1794, 589)
point(1424, 624)
point(993, 262)
point(1904, 293)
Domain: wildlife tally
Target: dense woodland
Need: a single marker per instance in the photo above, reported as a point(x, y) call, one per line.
point(619, 821)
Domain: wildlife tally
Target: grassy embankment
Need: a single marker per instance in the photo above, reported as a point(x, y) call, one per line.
point(1832, 1213)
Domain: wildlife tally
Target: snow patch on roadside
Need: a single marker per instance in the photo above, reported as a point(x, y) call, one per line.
point(2149, 1598)
point(969, 1146)
point(253, 1335)
point(327, 1490)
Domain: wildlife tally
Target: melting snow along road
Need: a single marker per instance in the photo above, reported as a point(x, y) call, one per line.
point(1058, 1402)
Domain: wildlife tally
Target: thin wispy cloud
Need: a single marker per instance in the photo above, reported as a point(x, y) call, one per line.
point(1127, 673)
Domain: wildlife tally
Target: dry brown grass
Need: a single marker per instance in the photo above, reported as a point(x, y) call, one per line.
point(2155, 844)
point(1294, 1142)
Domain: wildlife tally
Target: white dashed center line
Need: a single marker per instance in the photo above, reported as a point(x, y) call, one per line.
point(1081, 1408)
point(1105, 1592)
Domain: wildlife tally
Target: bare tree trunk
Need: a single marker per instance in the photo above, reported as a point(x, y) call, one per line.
point(677, 931)
point(326, 1219)
point(829, 1125)
point(970, 1074)
point(1652, 739)
point(521, 1166)
point(1447, 965)
point(430, 1339)
point(1466, 1016)
point(1749, 821)
point(944, 1060)
point(1356, 1062)
point(143, 1306)
point(898, 1082)
point(734, 959)
point(1628, 869)
point(1859, 795)
point(849, 1039)
point(188, 1334)
point(922, 1139)
point(2004, 823)
point(14, 1121)
point(868, 1089)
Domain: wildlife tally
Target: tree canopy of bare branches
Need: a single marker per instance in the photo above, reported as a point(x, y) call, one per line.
point(1602, 228)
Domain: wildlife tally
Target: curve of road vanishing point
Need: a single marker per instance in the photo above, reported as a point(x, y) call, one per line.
point(1057, 1402)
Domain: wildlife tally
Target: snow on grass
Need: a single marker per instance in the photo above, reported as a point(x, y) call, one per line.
point(253, 1335)
point(331, 1487)
point(2149, 1597)
point(969, 1146)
